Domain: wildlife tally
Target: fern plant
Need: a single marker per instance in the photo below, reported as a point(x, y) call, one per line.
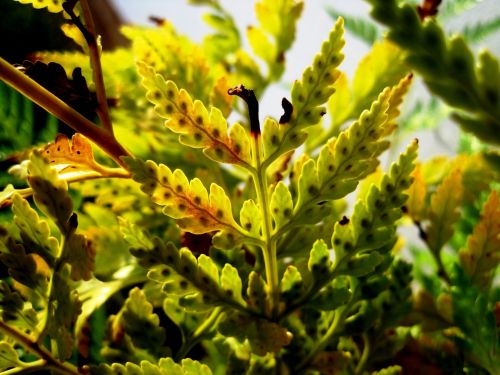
point(164, 240)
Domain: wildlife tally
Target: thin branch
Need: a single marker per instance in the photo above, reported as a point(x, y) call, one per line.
point(32, 346)
point(45, 99)
point(88, 31)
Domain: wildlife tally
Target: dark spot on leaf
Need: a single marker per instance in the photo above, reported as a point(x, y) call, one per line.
point(344, 220)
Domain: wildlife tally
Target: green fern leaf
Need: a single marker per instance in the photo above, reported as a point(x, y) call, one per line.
point(447, 66)
point(291, 283)
point(372, 228)
point(9, 357)
point(34, 230)
point(308, 96)
point(197, 128)
point(482, 30)
point(359, 27)
point(275, 33)
point(136, 318)
point(164, 366)
point(196, 280)
point(345, 160)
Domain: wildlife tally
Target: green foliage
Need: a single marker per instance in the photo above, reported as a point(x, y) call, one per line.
point(166, 233)
point(447, 66)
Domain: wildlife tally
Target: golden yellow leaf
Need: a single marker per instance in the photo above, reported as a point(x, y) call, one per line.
point(416, 195)
point(482, 254)
point(444, 210)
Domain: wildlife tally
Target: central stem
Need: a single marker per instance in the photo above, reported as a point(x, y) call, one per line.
point(259, 176)
point(269, 250)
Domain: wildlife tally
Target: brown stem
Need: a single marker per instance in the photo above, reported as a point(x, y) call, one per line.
point(32, 346)
point(45, 99)
point(95, 62)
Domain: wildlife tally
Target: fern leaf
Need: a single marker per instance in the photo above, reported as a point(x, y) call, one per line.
point(188, 202)
point(9, 357)
point(447, 66)
point(383, 66)
point(444, 211)
point(481, 256)
point(52, 198)
point(372, 226)
point(195, 280)
point(197, 128)
point(350, 157)
point(363, 29)
point(137, 319)
point(165, 366)
point(34, 230)
point(416, 196)
point(76, 156)
point(275, 33)
point(53, 6)
point(480, 31)
point(308, 95)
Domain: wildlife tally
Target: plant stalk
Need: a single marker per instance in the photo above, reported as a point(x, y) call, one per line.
point(33, 346)
point(95, 63)
point(269, 250)
point(207, 325)
point(52, 104)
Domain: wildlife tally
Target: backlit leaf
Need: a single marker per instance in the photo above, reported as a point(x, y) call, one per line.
point(444, 210)
point(140, 323)
point(71, 157)
point(308, 96)
point(8, 356)
point(35, 229)
point(197, 127)
point(53, 6)
point(482, 255)
point(188, 202)
point(416, 196)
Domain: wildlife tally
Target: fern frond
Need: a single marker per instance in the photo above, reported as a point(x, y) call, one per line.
point(308, 96)
point(482, 255)
point(444, 211)
point(448, 67)
point(345, 160)
point(275, 33)
point(357, 243)
point(196, 280)
point(361, 28)
point(197, 127)
point(53, 6)
point(481, 30)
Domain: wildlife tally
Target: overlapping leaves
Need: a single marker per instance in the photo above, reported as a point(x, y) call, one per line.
point(197, 127)
point(308, 96)
point(197, 281)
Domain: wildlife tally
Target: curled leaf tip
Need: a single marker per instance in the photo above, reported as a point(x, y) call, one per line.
point(288, 110)
point(253, 106)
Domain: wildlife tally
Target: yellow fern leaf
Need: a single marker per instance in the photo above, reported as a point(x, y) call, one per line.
point(74, 156)
point(53, 6)
point(416, 195)
point(444, 211)
point(482, 255)
point(196, 211)
point(197, 127)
